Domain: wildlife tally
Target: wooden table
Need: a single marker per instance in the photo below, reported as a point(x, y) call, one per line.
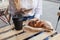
point(6, 33)
point(57, 37)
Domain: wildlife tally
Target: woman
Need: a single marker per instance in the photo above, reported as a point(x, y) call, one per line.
point(34, 7)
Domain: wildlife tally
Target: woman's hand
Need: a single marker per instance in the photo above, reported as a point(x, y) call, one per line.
point(25, 10)
point(35, 19)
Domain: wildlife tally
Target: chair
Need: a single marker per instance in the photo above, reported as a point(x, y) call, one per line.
point(4, 13)
point(58, 20)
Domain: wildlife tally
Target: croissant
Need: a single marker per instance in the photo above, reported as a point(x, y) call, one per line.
point(36, 24)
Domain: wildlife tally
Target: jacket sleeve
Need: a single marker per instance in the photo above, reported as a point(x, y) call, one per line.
point(38, 9)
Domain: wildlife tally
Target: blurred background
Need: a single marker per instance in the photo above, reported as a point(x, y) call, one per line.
point(50, 10)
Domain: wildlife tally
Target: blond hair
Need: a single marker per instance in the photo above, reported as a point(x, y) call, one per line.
point(17, 4)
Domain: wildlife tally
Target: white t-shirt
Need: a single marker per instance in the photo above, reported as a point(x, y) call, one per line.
point(35, 4)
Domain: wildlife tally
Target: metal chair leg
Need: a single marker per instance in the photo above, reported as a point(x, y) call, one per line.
point(8, 19)
point(57, 23)
point(3, 20)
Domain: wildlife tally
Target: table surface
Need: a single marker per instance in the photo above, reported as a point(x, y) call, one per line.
point(8, 33)
point(57, 37)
